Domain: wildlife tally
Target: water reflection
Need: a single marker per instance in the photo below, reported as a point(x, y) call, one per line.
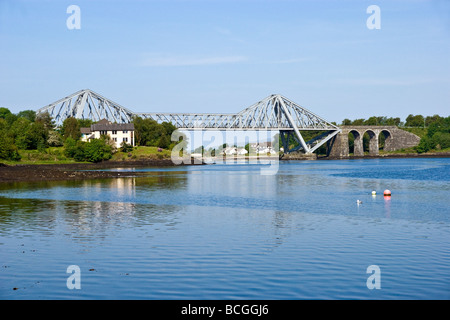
point(387, 206)
point(96, 209)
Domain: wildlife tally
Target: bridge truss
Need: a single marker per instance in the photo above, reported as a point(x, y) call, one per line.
point(275, 112)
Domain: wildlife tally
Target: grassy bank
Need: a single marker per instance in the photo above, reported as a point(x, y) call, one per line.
point(55, 155)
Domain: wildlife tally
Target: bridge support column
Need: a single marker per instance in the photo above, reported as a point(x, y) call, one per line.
point(285, 135)
point(338, 146)
point(373, 144)
point(358, 147)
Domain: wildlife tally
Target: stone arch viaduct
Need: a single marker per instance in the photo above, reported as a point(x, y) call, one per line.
point(394, 139)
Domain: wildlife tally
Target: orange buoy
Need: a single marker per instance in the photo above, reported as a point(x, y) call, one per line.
point(387, 193)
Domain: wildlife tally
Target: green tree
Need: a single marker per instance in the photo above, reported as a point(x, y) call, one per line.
point(414, 121)
point(435, 119)
point(441, 139)
point(346, 122)
point(70, 146)
point(392, 121)
point(8, 149)
point(372, 121)
point(425, 144)
point(97, 150)
point(46, 120)
point(4, 112)
point(358, 122)
point(27, 114)
point(164, 141)
point(19, 131)
point(37, 136)
point(148, 132)
point(84, 123)
point(70, 129)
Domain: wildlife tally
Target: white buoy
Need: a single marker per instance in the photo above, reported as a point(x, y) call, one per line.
point(374, 193)
point(358, 202)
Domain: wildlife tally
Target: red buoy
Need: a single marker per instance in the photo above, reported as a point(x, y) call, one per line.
point(387, 193)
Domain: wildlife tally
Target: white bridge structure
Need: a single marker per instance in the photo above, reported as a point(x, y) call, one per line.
point(275, 112)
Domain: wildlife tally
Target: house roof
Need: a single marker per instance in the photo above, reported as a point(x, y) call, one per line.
point(112, 126)
point(85, 130)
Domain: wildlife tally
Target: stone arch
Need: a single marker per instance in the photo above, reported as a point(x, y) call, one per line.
point(371, 139)
point(357, 146)
point(385, 140)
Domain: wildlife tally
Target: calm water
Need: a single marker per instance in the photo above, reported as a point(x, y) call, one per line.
point(227, 232)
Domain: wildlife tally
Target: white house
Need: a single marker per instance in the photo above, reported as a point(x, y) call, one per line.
point(263, 147)
point(118, 132)
point(234, 150)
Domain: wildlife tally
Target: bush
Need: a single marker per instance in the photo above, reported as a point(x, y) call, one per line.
point(8, 150)
point(425, 145)
point(94, 151)
point(125, 147)
point(97, 150)
point(442, 139)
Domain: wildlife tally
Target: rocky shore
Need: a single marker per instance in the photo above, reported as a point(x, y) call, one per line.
point(74, 171)
point(394, 156)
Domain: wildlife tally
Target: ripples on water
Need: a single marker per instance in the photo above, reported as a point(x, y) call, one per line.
point(227, 232)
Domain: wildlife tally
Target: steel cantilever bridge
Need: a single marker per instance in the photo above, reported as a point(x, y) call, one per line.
point(275, 113)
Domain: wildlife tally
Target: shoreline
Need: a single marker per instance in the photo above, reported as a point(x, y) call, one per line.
point(74, 171)
point(392, 156)
point(81, 171)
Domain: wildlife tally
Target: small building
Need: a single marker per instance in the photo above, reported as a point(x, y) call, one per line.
point(263, 147)
point(234, 150)
point(118, 132)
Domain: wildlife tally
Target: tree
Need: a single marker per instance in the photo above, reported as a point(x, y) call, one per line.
point(54, 139)
point(150, 133)
point(37, 136)
point(164, 142)
point(4, 112)
point(425, 145)
point(414, 121)
point(441, 139)
point(346, 122)
point(46, 120)
point(393, 122)
point(19, 131)
point(27, 114)
point(8, 150)
point(435, 119)
point(71, 129)
point(372, 121)
point(84, 123)
point(200, 150)
point(358, 122)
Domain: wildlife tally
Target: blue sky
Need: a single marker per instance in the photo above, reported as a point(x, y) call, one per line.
point(221, 56)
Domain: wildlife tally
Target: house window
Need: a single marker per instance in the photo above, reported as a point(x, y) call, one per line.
point(103, 132)
point(125, 131)
point(125, 139)
point(114, 132)
point(115, 139)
